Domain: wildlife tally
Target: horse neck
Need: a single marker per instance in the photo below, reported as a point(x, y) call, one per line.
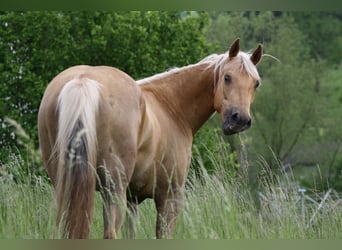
point(186, 93)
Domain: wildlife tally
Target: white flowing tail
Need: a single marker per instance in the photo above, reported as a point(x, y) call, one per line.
point(76, 145)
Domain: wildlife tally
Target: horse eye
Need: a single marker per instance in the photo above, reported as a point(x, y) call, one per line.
point(227, 79)
point(257, 83)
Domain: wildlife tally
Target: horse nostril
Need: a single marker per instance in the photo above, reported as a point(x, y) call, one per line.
point(249, 122)
point(235, 116)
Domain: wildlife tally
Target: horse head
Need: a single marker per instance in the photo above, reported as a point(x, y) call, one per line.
point(236, 82)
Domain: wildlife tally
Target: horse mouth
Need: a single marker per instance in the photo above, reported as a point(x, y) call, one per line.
point(229, 132)
point(235, 122)
point(230, 129)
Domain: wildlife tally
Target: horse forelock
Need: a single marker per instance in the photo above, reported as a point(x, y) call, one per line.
point(218, 62)
point(248, 65)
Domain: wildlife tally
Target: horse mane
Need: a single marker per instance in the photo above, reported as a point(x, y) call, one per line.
point(213, 60)
point(170, 71)
point(218, 61)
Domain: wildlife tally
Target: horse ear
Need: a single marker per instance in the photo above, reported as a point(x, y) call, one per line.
point(234, 48)
point(257, 54)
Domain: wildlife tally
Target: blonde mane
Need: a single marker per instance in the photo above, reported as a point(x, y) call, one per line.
point(218, 61)
point(214, 60)
point(162, 75)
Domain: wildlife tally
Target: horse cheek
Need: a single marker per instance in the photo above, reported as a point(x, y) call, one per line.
point(218, 101)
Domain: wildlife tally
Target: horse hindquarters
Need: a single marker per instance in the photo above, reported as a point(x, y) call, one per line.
point(76, 113)
point(117, 148)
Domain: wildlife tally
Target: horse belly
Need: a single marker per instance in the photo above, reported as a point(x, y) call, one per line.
point(141, 185)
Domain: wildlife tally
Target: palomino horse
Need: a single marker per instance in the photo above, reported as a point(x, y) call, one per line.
point(100, 130)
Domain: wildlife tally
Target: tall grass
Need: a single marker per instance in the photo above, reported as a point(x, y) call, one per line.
point(216, 206)
point(26, 210)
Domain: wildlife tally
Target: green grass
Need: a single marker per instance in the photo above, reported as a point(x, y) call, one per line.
point(26, 211)
point(216, 207)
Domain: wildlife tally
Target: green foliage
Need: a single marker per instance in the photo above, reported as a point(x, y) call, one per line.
point(30, 54)
point(23, 165)
point(280, 112)
point(326, 151)
point(36, 46)
point(324, 30)
point(210, 150)
point(283, 114)
point(335, 179)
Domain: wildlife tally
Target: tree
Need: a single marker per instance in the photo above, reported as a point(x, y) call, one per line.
point(324, 31)
point(36, 46)
point(32, 50)
point(286, 107)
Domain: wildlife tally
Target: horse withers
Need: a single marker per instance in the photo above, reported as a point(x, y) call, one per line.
point(101, 130)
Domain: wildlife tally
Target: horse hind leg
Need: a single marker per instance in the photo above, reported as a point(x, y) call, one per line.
point(113, 214)
point(113, 196)
point(115, 174)
point(131, 216)
point(117, 157)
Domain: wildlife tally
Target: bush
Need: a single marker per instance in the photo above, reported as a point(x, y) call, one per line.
point(210, 149)
point(21, 165)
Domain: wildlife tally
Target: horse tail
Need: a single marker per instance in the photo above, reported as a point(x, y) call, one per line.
point(76, 145)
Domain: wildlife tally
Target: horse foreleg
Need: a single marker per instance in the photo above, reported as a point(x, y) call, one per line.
point(167, 213)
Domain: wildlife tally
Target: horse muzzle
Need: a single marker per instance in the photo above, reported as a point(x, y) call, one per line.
point(234, 122)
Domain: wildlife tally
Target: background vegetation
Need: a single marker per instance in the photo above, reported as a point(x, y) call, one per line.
point(294, 143)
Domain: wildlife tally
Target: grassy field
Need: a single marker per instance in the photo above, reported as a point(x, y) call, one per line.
point(216, 207)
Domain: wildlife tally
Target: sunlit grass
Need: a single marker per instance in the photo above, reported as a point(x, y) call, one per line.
point(217, 206)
